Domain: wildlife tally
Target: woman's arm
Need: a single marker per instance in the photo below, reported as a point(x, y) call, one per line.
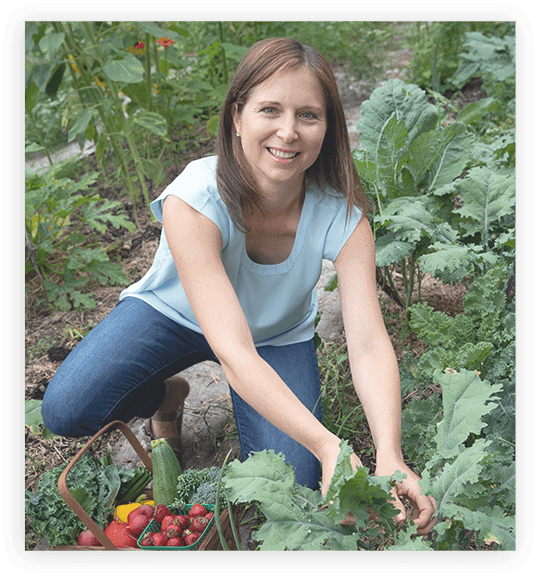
point(195, 243)
point(374, 365)
point(372, 358)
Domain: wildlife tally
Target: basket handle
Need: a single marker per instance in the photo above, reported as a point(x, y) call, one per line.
point(71, 500)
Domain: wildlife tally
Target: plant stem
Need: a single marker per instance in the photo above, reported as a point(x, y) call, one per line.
point(221, 34)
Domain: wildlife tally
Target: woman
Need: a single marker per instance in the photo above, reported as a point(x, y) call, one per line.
point(233, 281)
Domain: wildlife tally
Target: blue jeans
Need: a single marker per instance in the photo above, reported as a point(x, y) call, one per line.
point(117, 372)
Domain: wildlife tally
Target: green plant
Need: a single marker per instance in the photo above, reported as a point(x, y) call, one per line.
point(418, 171)
point(94, 482)
point(403, 152)
point(492, 57)
point(472, 483)
point(299, 518)
point(60, 216)
point(482, 339)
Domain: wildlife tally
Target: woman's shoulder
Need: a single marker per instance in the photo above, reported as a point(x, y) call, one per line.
point(196, 185)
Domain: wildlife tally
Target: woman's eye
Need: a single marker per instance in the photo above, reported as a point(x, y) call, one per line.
point(269, 110)
point(308, 115)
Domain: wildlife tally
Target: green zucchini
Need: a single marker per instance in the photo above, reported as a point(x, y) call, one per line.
point(166, 470)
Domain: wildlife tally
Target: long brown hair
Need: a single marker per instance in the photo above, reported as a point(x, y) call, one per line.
point(334, 167)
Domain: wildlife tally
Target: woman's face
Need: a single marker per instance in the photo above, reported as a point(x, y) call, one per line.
point(282, 127)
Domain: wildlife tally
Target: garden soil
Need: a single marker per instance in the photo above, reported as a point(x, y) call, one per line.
point(208, 431)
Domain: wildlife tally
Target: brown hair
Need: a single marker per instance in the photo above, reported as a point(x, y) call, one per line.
point(334, 167)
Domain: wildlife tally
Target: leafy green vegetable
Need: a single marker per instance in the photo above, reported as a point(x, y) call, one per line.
point(466, 476)
point(298, 518)
point(93, 482)
point(439, 210)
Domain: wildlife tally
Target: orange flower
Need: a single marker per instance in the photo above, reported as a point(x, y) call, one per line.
point(165, 42)
point(138, 49)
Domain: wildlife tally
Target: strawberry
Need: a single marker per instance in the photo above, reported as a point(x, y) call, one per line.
point(182, 520)
point(191, 538)
point(138, 524)
point(173, 530)
point(148, 540)
point(160, 512)
point(197, 510)
point(176, 541)
point(160, 539)
point(198, 524)
point(209, 516)
point(166, 521)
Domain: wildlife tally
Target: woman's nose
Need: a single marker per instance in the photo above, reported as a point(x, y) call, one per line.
point(287, 129)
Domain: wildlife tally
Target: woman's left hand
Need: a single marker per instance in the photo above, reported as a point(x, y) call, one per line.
point(423, 507)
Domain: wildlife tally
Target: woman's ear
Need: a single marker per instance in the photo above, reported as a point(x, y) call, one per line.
point(236, 117)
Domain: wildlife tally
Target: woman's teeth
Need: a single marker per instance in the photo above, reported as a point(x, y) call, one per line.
point(283, 155)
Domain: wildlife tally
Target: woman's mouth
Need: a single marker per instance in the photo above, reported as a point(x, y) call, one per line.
point(282, 154)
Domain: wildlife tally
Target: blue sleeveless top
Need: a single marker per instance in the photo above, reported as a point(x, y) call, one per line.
point(279, 300)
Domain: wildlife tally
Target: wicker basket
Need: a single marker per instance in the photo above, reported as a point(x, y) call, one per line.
point(210, 542)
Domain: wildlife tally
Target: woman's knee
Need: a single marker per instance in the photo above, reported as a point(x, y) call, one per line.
point(64, 417)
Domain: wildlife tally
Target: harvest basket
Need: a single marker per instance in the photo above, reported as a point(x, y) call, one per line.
point(154, 527)
point(211, 538)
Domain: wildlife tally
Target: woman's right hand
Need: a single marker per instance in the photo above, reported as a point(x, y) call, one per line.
point(328, 461)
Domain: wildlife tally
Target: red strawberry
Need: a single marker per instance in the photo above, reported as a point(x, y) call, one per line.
point(198, 524)
point(182, 520)
point(197, 510)
point(148, 540)
point(209, 516)
point(166, 521)
point(176, 541)
point(173, 530)
point(160, 539)
point(138, 524)
point(160, 512)
point(191, 538)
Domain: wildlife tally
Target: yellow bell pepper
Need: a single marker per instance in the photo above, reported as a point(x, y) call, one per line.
point(121, 513)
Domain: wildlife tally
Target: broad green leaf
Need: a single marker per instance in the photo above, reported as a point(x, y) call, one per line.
point(408, 218)
point(430, 325)
point(466, 400)
point(129, 70)
point(32, 415)
point(486, 197)
point(407, 102)
point(449, 262)
point(263, 476)
point(476, 110)
point(446, 486)
point(437, 157)
point(138, 93)
point(391, 144)
point(151, 121)
point(81, 123)
point(294, 517)
point(50, 44)
point(389, 249)
point(151, 168)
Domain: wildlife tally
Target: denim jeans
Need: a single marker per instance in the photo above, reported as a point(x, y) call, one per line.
point(117, 372)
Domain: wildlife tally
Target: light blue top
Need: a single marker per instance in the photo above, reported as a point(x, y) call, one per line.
point(279, 301)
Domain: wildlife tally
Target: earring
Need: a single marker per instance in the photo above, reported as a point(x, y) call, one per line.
point(237, 135)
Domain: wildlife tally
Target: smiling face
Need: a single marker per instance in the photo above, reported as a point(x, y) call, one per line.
point(282, 126)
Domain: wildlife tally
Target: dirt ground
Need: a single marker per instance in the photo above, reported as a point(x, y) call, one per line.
point(50, 334)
